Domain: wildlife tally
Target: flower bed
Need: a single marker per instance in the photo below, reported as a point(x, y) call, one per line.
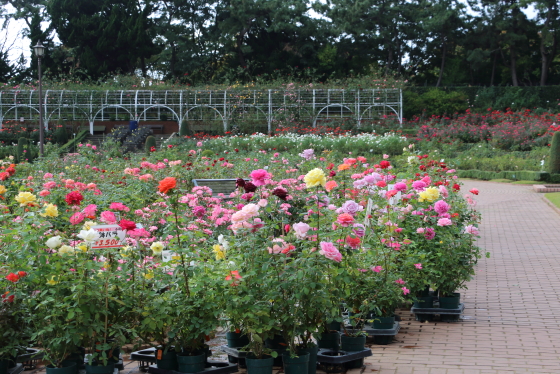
point(97, 254)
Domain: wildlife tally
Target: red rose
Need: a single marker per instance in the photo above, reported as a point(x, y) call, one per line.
point(127, 225)
point(74, 198)
point(12, 277)
point(281, 193)
point(21, 274)
point(6, 298)
point(456, 187)
point(384, 164)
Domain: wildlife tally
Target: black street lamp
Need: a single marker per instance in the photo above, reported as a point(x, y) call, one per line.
point(40, 52)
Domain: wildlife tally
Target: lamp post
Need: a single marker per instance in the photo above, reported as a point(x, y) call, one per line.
point(40, 52)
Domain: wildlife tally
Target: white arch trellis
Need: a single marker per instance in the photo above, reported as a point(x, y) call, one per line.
point(219, 105)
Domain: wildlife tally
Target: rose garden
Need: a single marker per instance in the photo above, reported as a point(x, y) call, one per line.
point(320, 237)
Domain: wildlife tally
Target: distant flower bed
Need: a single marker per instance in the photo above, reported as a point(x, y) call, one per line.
point(508, 130)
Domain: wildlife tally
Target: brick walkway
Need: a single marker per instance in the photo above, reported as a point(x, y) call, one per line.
point(509, 324)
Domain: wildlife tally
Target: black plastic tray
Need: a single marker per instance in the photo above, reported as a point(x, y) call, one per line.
point(379, 332)
point(16, 369)
point(440, 311)
point(235, 352)
point(32, 354)
point(144, 355)
point(213, 367)
point(327, 356)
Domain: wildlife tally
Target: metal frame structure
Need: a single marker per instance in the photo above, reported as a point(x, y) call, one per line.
point(191, 105)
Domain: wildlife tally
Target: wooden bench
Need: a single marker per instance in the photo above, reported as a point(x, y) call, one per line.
point(156, 127)
point(218, 186)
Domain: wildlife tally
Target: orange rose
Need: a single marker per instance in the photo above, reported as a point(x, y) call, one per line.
point(167, 184)
point(342, 167)
point(330, 185)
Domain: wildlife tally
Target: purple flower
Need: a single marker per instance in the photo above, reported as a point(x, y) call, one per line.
point(307, 154)
point(350, 207)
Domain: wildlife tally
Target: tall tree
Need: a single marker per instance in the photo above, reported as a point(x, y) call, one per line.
point(267, 32)
point(381, 31)
point(183, 28)
point(107, 36)
point(443, 24)
point(549, 34)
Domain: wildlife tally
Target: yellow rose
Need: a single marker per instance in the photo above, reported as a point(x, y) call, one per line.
point(149, 275)
point(88, 224)
point(430, 194)
point(314, 178)
point(219, 251)
point(52, 281)
point(125, 251)
point(50, 211)
point(82, 247)
point(2, 189)
point(25, 198)
point(157, 247)
point(66, 250)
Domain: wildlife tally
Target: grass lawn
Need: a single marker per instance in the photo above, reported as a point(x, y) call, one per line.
point(554, 198)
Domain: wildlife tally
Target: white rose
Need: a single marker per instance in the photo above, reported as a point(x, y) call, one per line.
point(157, 247)
point(88, 236)
point(54, 242)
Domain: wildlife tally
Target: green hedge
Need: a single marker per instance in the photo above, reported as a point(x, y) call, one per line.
point(526, 175)
point(427, 101)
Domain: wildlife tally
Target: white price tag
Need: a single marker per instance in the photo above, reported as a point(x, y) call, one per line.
point(110, 236)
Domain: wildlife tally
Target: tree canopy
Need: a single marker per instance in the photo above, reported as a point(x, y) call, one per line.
point(430, 42)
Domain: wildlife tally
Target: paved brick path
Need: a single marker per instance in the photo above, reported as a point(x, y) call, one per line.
point(511, 320)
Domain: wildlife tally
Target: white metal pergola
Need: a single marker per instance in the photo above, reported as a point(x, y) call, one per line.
point(192, 105)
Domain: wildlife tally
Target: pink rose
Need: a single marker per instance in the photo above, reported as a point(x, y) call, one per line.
point(329, 251)
point(345, 219)
point(77, 218)
point(108, 217)
point(400, 186)
point(301, 229)
point(120, 207)
point(441, 207)
point(377, 269)
point(473, 230)
point(259, 177)
point(444, 222)
point(90, 210)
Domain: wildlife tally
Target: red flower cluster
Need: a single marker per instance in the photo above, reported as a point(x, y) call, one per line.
point(127, 225)
point(384, 164)
point(6, 298)
point(74, 198)
point(13, 277)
